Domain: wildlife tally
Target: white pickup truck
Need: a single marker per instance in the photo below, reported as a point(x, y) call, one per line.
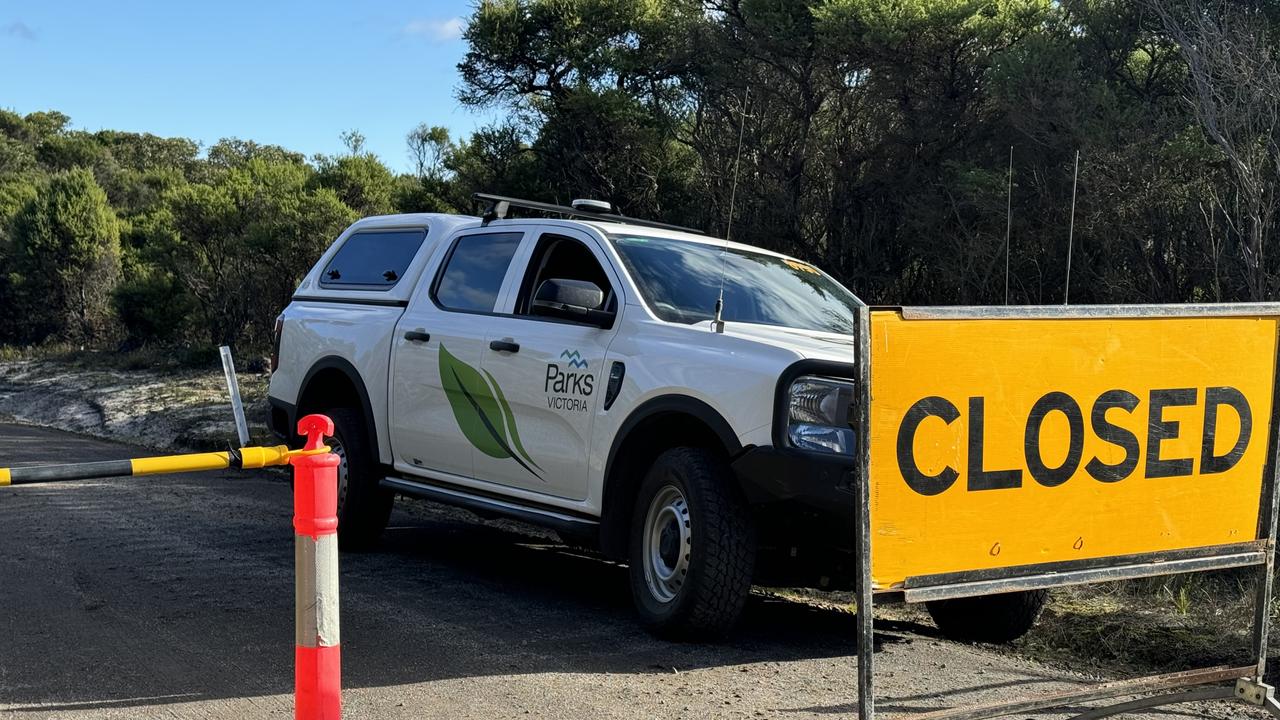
point(680, 402)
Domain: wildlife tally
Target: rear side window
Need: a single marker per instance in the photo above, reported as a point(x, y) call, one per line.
point(473, 273)
point(372, 259)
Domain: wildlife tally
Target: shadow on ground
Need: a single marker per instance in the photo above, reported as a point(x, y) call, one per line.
point(134, 592)
point(147, 592)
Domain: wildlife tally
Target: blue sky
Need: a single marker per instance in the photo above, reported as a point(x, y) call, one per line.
point(284, 72)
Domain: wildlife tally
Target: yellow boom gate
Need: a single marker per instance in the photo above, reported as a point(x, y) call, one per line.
point(245, 458)
point(1006, 449)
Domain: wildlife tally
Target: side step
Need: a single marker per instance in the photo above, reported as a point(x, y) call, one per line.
point(571, 525)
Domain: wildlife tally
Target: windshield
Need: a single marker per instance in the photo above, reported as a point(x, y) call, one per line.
point(681, 281)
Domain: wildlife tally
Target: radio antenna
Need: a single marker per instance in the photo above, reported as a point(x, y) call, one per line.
point(718, 324)
point(1071, 233)
point(1008, 228)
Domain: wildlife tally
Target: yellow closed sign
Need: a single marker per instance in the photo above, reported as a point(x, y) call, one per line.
point(1003, 443)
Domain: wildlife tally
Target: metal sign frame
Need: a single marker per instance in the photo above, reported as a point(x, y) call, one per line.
point(1172, 688)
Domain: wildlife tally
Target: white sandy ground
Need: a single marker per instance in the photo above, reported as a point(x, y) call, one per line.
point(167, 410)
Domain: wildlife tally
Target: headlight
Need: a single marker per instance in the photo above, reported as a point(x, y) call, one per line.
point(818, 415)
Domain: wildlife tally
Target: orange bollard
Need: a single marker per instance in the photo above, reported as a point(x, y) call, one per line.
point(318, 665)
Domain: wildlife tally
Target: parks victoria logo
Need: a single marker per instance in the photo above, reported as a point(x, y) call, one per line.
point(569, 387)
point(482, 412)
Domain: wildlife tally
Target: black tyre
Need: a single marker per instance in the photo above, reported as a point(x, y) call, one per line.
point(990, 618)
point(692, 546)
point(363, 506)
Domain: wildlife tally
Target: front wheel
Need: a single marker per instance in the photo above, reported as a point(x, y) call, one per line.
point(996, 619)
point(692, 546)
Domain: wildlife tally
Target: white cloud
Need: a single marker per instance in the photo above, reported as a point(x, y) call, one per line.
point(19, 29)
point(439, 31)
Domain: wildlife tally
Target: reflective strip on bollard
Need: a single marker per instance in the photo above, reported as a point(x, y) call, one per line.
point(316, 606)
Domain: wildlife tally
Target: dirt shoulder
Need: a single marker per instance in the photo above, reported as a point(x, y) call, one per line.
point(169, 409)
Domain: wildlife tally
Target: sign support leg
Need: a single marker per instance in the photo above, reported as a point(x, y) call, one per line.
point(1267, 530)
point(866, 604)
point(1261, 609)
point(866, 633)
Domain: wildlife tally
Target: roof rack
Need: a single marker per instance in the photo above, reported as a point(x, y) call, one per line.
point(498, 205)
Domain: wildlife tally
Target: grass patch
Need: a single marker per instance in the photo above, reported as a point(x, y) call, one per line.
point(50, 351)
point(1146, 626)
point(838, 601)
point(1150, 625)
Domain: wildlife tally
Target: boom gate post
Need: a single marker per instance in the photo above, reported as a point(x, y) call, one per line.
point(318, 662)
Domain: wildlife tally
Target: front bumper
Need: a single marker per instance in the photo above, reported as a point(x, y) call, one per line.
point(823, 483)
point(804, 506)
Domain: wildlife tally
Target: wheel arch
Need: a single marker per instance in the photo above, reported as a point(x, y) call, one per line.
point(654, 426)
point(334, 381)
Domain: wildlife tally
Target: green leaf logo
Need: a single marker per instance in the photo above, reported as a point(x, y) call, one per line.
point(482, 411)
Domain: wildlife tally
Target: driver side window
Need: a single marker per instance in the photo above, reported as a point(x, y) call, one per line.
point(560, 257)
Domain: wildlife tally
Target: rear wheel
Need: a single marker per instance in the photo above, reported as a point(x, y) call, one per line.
point(363, 506)
point(990, 618)
point(692, 546)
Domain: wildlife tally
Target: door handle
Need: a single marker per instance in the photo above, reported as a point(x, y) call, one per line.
point(504, 346)
point(417, 336)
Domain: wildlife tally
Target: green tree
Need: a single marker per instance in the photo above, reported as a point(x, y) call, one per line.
point(595, 84)
point(361, 181)
point(496, 159)
point(153, 306)
point(144, 152)
point(33, 128)
point(429, 145)
point(239, 245)
point(234, 152)
point(70, 150)
point(16, 191)
point(1235, 77)
point(67, 259)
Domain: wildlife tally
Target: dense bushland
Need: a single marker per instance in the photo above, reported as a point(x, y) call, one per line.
point(876, 140)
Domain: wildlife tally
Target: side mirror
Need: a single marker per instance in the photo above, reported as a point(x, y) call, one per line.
point(576, 300)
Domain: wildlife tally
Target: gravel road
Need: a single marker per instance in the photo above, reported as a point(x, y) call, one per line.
point(173, 598)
